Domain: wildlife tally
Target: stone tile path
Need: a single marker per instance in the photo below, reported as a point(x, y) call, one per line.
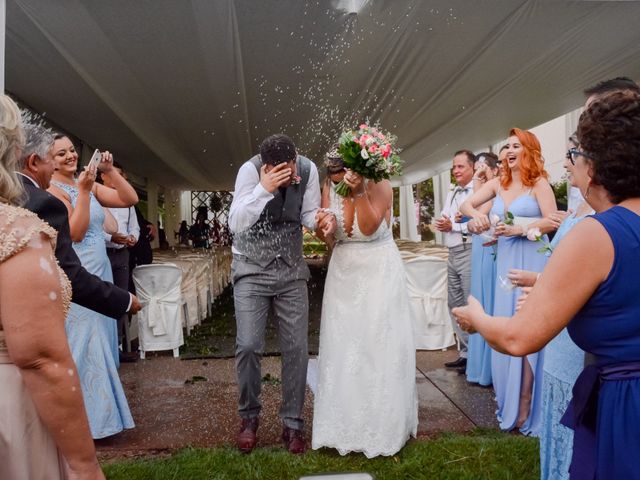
point(177, 403)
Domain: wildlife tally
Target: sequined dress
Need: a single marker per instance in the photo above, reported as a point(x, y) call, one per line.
point(93, 338)
point(26, 448)
point(366, 398)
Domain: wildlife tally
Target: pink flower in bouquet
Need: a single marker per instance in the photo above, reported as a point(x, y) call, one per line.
point(373, 149)
point(363, 140)
point(386, 150)
point(363, 126)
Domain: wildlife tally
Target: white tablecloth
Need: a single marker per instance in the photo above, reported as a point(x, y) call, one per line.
point(205, 273)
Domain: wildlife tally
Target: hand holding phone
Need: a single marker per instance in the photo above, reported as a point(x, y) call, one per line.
point(96, 158)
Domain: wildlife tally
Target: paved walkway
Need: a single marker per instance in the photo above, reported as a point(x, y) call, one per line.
point(177, 403)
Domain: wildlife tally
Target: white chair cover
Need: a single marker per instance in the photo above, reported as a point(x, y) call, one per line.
point(427, 286)
point(160, 319)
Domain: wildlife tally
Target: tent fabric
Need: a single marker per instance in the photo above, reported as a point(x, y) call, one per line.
point(183, 91)
point(408, 223)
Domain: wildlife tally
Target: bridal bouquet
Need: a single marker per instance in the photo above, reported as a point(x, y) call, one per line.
point(371, 153)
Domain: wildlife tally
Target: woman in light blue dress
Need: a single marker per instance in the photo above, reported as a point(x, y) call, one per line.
point(524, 192)
point(483, 277)
point(563, 362)
point(93, 338)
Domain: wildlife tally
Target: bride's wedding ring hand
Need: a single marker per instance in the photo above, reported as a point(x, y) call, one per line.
point(354, 181)
point(272, 178)
point(329, 225)
point(326, 222)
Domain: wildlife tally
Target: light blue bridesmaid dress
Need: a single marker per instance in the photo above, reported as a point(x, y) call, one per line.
point(521, 253)
point(483, 282)
point(93, 338)
point(563, 362)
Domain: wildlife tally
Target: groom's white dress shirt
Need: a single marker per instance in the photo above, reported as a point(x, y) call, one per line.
point(250, 198)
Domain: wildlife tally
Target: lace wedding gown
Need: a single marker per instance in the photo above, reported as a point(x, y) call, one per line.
point(366, 398)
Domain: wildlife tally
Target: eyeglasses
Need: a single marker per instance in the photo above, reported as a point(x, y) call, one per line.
point(572, 153)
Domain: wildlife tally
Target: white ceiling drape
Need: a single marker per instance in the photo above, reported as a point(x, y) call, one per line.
point(183, 91)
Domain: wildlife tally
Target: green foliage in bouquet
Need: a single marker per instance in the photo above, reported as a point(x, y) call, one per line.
point(370, 152)
point(508, 218)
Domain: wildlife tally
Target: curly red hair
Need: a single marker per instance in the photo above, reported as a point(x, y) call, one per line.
point(531, 161)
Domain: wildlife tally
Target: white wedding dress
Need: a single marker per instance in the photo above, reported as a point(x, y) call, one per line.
point(366, 399)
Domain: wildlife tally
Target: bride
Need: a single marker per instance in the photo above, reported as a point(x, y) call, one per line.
point(366, 397)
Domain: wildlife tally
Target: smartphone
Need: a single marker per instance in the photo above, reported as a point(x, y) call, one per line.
point(95, 160)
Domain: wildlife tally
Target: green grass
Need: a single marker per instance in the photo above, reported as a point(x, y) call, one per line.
point(484, 454)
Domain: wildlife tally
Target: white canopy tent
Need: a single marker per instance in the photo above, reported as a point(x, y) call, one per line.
point(183, 91)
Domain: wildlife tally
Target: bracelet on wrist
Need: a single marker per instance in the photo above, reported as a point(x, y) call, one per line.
point(361, 194)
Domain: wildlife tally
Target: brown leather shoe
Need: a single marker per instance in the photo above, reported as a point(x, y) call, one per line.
point(294, 440)
point(247, 438)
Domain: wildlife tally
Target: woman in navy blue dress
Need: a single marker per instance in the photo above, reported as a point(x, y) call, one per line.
point(591, 285)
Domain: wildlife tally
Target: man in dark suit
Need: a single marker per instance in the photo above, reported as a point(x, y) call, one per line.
point(37, 166)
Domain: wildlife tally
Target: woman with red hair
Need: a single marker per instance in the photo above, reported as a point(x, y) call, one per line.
point(523, 200)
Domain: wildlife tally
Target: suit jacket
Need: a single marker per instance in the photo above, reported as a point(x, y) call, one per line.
point(141, 253)
point(89, 290)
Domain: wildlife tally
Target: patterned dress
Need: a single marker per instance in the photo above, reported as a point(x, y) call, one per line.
point(93, 338)
point(563, 362)
point(26, 448)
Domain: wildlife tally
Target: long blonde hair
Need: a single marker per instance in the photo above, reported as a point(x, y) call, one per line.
point(11, 143)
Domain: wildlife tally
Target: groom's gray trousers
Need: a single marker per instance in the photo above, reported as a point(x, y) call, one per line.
point(256, 290)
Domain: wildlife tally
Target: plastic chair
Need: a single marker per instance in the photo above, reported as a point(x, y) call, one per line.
point(160, 319)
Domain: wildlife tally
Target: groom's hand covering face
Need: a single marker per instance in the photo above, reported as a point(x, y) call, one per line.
point(273, 177)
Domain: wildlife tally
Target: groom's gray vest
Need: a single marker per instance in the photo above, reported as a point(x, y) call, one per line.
point(278, 231)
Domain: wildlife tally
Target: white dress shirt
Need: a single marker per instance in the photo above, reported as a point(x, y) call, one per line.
point(127, 225)
point(250, 198)
point(455, 198)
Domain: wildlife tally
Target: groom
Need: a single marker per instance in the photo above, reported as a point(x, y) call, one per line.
point(276, 192)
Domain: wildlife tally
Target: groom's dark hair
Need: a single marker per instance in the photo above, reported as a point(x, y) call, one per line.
point(277, 149)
